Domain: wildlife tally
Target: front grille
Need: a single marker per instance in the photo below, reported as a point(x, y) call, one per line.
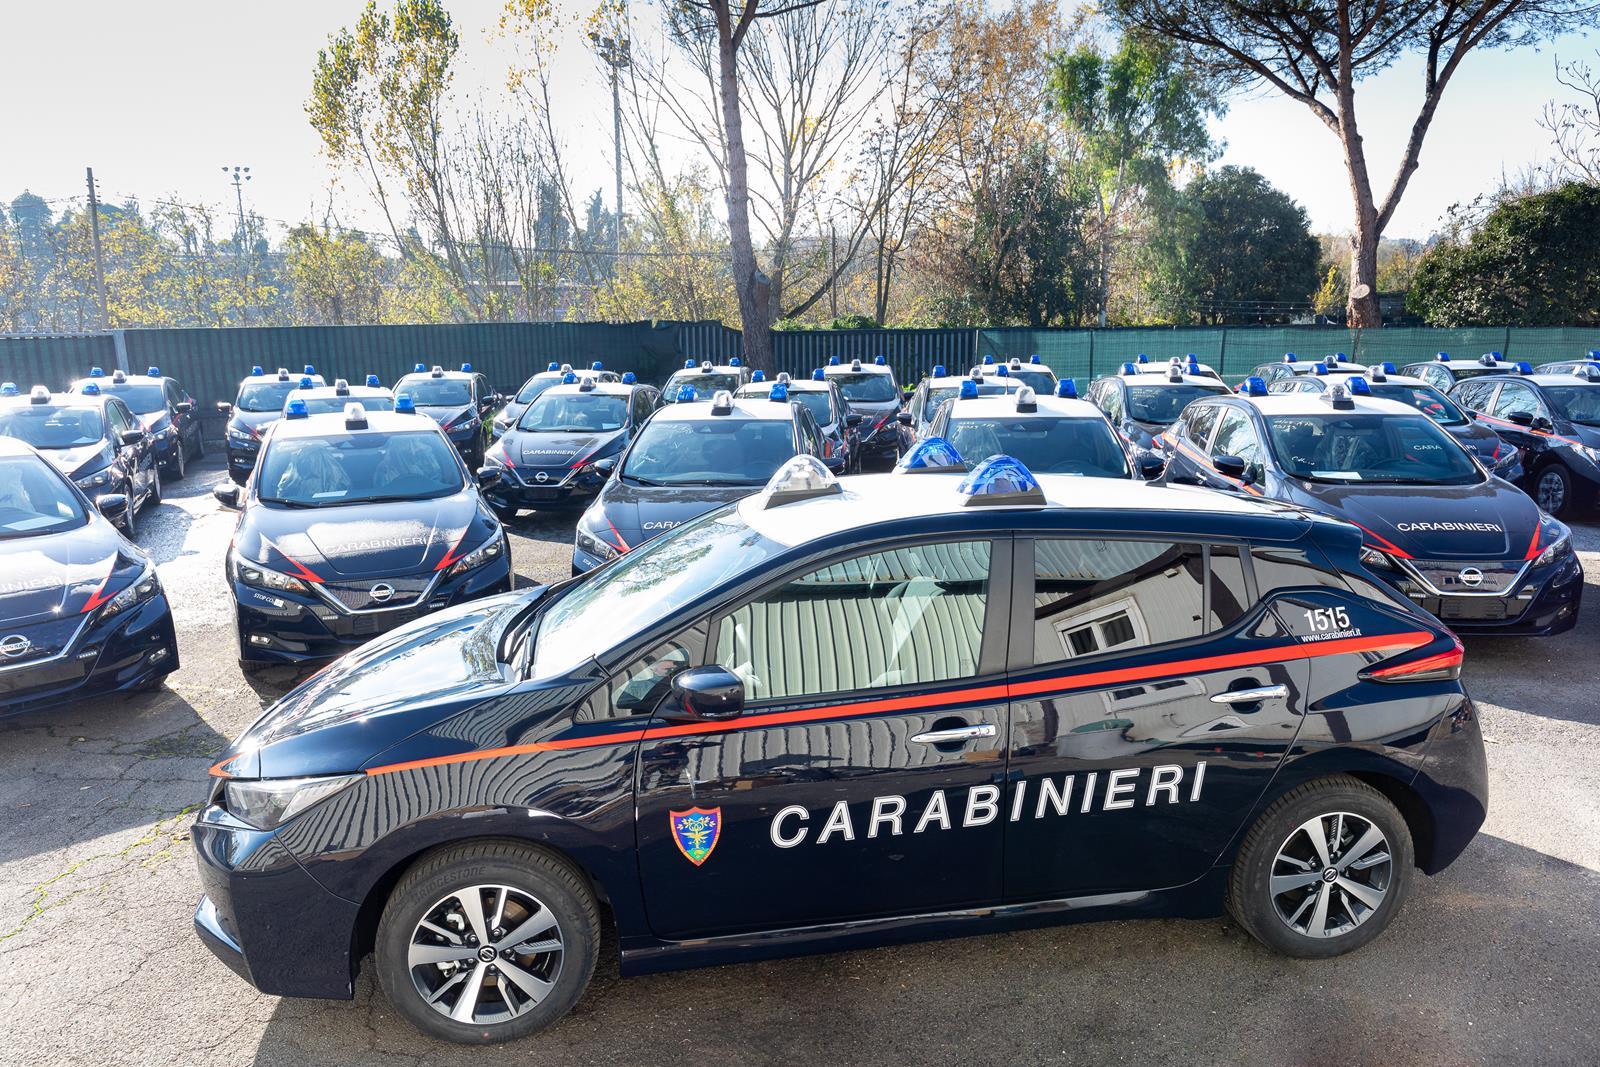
point(44, 640)
point(1455, 576)
point(357, 595)
point(553, 476)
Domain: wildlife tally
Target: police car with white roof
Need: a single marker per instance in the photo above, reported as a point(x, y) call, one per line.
point(1566, 366)
point(354, 524)
point(1463, 544)
point(1050, 434)
point(460, 401)
point(325, 399)
point(1141, 403)
point(163, 408)
point(566, 443)
point(1442, 371)
point(94, 439)
point(690, 458)
point(841, 443)
point(553, 375)
point(841, 714)
point(257, 406)
point(84, 613)
point(706, 378)
point(1291, 365)
point(1554, 419)
point(1497, 455)
point(1034, 374)
point(872, 393)
point(939, 387)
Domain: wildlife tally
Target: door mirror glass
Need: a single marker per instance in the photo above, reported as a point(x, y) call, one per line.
point(606, 466)
point(1542, 423)
point(1521, 418)
point(227, 495)
point(185, 406)
point(112, 505)
point(1151, 466)
point(705, 694)
point(488, 476)
point(224, 407)
point(132, 437)
point(903, 418)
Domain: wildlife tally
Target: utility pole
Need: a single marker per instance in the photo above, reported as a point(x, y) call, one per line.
point(240, 176)
point(99, 262)
point(616, 53)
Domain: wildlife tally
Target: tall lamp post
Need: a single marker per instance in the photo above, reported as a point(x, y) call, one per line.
point(239, 175)
point(614, 52)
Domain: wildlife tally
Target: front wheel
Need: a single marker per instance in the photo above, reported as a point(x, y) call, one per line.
point(1552, 489)
point(1323, 871)
point(487, 942)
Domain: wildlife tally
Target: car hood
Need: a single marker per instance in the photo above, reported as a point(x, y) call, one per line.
point(512, 411)
point(1478, 439)
point(370, 699)
point(1494, 520)
point(639, 512)
point(364, 540)
point(75, 462)
point(558, 449)
point(154, 420)
point(442, 415)
point(57, 576)
point(1589, 435)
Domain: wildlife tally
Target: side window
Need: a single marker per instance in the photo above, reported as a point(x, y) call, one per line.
point(637, 688)
point(172, 395)
point(1282, 568)
point(1198, 423)
point(1227, 596)
point(1515, 398)
point(1472, 394)
point(1113, 405)
point(116, 420)
point(906, 616)
point(1237, 437)
point(1092, 597)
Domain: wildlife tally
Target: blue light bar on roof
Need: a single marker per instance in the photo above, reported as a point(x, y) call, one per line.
point(734, 362)
point(152, 372)
point(552, 366)
point(1067, 388)
point(405, 405)
point(880, 362)
point(819, 375)
point(938, 370)
point(296, 409)
point(686, 393)
point(969, 389)
point(569, 378)
point(931, 455)
point(96, 372)
point(758, 376)
point(833, 361)
point(255, 371)
point(779, 391)
point(629, 378)
point(1253, 386)
point(1000, 480)
point(310, 369)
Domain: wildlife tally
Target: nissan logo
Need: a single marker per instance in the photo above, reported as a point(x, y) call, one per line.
point(1471, 576)
point(381, 592)
point(541, 477)
point(14, 645)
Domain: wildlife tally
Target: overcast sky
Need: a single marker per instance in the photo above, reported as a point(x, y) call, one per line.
point(158, 97)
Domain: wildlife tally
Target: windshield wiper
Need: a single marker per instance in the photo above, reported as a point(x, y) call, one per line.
point(294, 503)
point(634, 479)
point(718, 482)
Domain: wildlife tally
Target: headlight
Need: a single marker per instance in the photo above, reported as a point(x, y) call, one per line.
point(502, 423)
point(269, 803)
point(1376, 560)
point(143, 588)
point(489, 550)
point(265, 577)
point(1557, 539)
point(1591, 454)
point(240, 437)
point(593, 542)
point(95, 480)
point(165, 432)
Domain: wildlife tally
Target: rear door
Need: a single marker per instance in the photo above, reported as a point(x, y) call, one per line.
point(1151, 709)
point(865, 777)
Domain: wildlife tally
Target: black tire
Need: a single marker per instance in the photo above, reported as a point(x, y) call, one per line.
point(1549, 482)
point(130, 518)
point(179, 467)
point(199, 444)
point(434, 882)
point(1349, 923)
point(152, 499)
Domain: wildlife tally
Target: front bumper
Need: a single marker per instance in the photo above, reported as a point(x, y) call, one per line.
point(884, 443)
point(520, 487)
point(242, 460)
point(1543, 603)
point(260, 912)
point(116, 655)
point(276, 627)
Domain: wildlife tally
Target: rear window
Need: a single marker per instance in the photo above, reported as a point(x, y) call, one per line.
point(436, 392)
point(705, 384)
point(265, 396)
point(575, 413)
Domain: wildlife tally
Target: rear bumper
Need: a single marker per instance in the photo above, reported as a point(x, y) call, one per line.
point(1453, 783)
point(118, 655)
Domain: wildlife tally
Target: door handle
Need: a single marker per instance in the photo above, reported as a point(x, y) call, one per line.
point(1251, 696)
point(956, 734)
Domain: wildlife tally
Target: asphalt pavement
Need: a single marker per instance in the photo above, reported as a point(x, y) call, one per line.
point(1497, 960)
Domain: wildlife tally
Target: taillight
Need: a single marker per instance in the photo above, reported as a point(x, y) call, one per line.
point(1434, 667)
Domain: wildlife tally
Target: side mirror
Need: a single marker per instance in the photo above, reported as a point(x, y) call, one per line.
point(1542, 423)
point(1521, 418)
point(1151, 466)
point(855, 418)
point(185, 406)
point(903, 418)
point(606, 466)
point(488, 476)
point(133, 437)
point(1230, 467)
point(704, 694)
point(112, 505)
point(224, 407)
point(227, 495)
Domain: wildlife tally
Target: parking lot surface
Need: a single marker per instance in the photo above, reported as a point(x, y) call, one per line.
point(1492, 961)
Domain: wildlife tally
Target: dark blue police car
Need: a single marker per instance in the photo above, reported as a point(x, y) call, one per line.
point(163, 408)
point(934, 390)
point(692, 457)
point(705, 378)
point(82, 612)
point(1050, 434)
point(1140, 404)
point(839, 423)
point(354, 524)
point(566, 443)
point(1458, 541)
point(460, 401)
point(553, 375)
point(1554, 421)
point(257, 406)
point(1442, 372)
point(872, 393)
point(828, 716)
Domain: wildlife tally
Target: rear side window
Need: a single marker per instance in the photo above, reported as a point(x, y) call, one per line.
point(1199, 421)
point(901, 617)
point(1229, 597)
point(1474, 395)
point(1287, 568)
point(1092, 597)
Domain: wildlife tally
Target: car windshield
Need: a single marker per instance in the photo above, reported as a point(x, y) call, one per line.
point(1576, 403)
point(1426, 399)
point(1388, 449)
point(1040, 381)
point(322, 405)
point(867, 388)
point(143, 399)
point(34, 499)
point(705, 383)
point(358, 468)
point(717, 450)
point(1472, 372)
point(817, 401)
point(575, 413)
point(436, 392)
point(940, 394)
point(534, 386)
point(1161, 405)
point(52, 426)
point(1044, 445)
point(645, 586)
point(264, 396)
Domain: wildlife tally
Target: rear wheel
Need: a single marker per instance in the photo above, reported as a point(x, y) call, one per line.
point(487, 942)
point(180, 462)
point(1323, 871)
point(1552, 489)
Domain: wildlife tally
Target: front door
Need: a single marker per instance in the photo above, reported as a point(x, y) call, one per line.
point(1152, 716)
point(864, 778)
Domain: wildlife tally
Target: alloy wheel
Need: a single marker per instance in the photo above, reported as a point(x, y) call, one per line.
point(485, 954)
point(1331, 874)
point(1552, 491)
